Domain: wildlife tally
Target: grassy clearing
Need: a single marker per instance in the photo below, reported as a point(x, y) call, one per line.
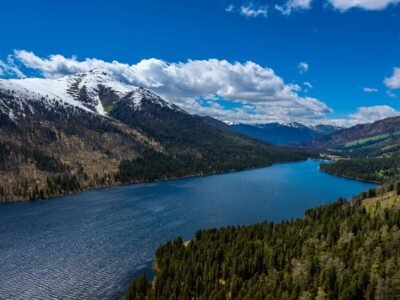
point(389, 200)
point(367, 140)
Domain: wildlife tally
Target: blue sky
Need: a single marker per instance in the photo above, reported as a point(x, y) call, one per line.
point(350, 47)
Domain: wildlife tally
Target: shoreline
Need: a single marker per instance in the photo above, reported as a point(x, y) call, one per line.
point(61, 196)
point(185, 244)
point(337, 158)
point(352, 178)
point(7, 202)
point(130, 271)
point(154, 264)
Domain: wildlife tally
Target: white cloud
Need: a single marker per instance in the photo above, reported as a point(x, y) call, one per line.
point(344, 5)
point(367, 114)
point(10, 68)
point(391, 94)
point(303, 67)
point(230, 8)
point(393, 82)
point(260, 96)
point(370, 90)
point(373, 113)
point(253, 10)
point(289, 6)
point(293, 5)
point(308, 84)
point(259, 93)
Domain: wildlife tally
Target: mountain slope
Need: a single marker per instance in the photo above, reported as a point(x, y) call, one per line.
point(59, 136)
point(284, 133)
point(378, 139)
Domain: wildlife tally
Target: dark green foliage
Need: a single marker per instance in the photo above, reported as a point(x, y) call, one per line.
point(153, 165)
point(4, 153)
point(43, 161)
point(140, 289)
point(192, 145)
point(389, 186)
point(369, 169)
point(57, 185)
point(47, 163)
point(338, 251)
point(199, 138)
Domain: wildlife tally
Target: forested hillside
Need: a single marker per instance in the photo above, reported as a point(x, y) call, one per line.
point(378, 139)
point(368, 152)
point(338, 251)
point(60, 136)
point(377, 170)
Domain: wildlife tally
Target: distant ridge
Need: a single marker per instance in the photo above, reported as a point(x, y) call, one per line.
point(283, 133)
point(380, 138)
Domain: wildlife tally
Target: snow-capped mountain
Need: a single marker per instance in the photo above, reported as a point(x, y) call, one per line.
point(94, 91)
point(285, 124)
point(284, 133)
point(59, 136)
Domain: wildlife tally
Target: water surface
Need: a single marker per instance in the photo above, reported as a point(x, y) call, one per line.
point(90, 245)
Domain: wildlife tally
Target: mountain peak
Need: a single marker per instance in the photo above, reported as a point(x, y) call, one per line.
point(94, 91)
point(97, 71)
point(292, 124)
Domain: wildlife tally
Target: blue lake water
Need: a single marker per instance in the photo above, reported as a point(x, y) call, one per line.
point(90, 245)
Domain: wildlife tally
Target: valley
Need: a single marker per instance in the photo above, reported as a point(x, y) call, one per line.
point(61, 136)
point(200, 150)
point(285, 133)
point(342, 250)
point(92, 244)
point(89, 130)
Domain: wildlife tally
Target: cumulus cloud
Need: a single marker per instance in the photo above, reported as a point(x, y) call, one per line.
point(373, 113)
point(393, 82)
point(308, 84)
point(344, 5)
point(293, 5)
point(303, 67)
point(10, 68)
point(391, 94)
point(370, 90)
point(253, 10)
point(290, 6)
point(260, 94)
point(367, 114)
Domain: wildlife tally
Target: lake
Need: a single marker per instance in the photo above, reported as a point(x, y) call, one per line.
point(90, 245)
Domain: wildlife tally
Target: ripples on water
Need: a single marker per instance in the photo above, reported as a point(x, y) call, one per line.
point(90, 245)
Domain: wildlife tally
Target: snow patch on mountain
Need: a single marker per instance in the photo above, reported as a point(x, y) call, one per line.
point(41, 90)
point(81, 90)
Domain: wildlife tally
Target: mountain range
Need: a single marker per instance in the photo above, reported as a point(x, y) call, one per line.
point(284, 133)
point(59, 136)
point(377, 139)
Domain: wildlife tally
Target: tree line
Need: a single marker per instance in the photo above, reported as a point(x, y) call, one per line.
point(377, 170)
